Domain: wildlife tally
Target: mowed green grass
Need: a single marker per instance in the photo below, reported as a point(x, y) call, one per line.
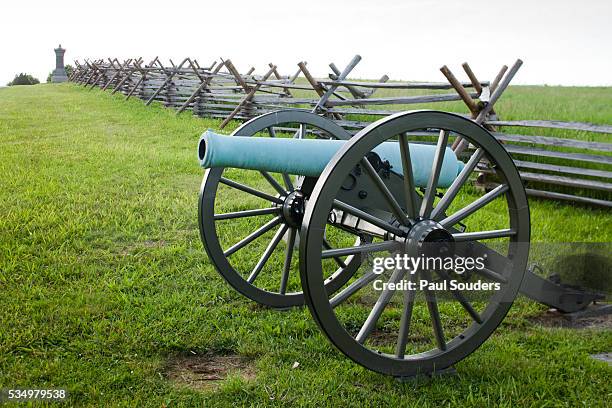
point(103, 277)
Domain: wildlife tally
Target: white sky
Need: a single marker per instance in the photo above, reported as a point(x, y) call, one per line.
point(564, 42)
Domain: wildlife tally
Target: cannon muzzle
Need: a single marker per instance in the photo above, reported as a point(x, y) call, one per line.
point(308, 157)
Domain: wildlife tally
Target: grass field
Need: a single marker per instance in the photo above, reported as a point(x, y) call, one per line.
point(104, 281)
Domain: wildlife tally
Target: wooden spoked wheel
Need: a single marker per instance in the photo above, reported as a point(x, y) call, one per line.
point(407, 332)
point(249, 220)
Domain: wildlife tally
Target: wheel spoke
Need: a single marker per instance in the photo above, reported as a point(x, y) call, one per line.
point(461, 299)
point(495, 261)
point(432, 305)
point(368, 217)
point(250, 190)
point(358, 249)
point(387, 195)
point(409, 191)
point(378, 308)
point(351, 289)
point(273, 183)
point(246, 213)
point(287, 262)
point(286, 178)
point(338, 260)
point(477, 235)
point(288, 183)
point(460, 145)
point(267, 253)
point(488, 273)
point(474, 206)
point(402, 338)
point(432, 183)
point(454, 188)
point(252, 236)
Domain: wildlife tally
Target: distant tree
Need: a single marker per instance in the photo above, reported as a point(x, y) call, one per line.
point(23, 79)
point(69, 68)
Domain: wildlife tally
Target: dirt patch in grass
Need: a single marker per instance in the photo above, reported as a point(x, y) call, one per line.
point(552, 318)
point(206, 372)
point(140, 246)
point(154, 244)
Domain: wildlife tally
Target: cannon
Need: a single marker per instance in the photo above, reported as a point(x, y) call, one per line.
point(308, 157)
point(294, 186)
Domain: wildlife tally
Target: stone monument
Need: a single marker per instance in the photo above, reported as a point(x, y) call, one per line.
point(59, 73)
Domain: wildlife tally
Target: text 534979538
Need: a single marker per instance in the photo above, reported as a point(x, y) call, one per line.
point(26, 394)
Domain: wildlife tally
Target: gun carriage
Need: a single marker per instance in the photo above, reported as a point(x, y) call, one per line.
point(335, 202)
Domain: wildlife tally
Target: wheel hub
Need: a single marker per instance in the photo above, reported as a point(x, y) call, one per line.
point(293, 208)
point(429, 238)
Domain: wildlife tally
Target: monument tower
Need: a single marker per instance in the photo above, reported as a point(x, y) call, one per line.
point(59, 73)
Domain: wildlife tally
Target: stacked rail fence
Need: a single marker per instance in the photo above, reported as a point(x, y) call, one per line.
point(552, 167)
